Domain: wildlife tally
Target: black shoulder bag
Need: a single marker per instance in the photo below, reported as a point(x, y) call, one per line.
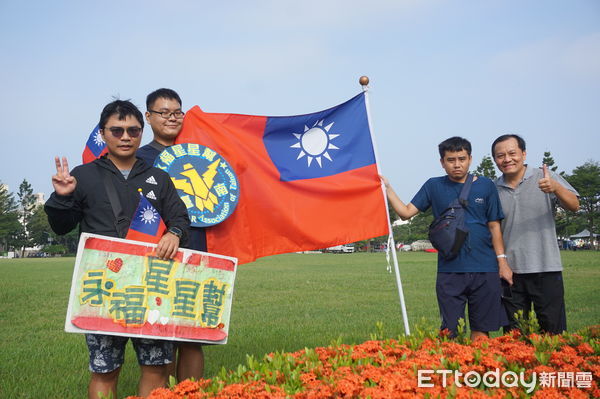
point(448, 232)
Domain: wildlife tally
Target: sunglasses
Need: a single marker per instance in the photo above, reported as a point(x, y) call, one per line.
point(132, 131)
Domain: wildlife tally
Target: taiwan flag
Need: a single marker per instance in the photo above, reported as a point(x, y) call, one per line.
point(307, 182)
point(95, 146)
point(146, 225)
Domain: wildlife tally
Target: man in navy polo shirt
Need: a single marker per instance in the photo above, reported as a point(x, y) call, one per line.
point(473, 277)
point(165, 117)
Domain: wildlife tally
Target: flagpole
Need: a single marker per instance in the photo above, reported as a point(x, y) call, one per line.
point(364, 82)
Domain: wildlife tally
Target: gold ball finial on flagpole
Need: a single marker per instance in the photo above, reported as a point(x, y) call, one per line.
point(363, 80)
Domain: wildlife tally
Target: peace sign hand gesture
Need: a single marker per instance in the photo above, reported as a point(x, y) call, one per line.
point(62, 181)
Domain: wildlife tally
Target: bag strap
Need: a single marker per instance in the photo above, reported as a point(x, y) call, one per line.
point(464, 193)
point(157, 146)
point(121, 221)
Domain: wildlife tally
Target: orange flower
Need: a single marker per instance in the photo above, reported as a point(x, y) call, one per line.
point(162, 393)
point(548, 393)
point(388, 369)
point(186, 387)
point(585, 349)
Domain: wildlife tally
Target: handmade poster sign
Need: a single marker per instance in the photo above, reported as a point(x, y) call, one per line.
point(120, 288)
point(204, 180)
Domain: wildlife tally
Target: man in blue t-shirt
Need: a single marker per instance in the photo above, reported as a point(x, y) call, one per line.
point(473, 277)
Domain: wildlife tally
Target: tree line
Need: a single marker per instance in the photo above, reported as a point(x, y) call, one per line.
point(23, 224)
point(585, 179)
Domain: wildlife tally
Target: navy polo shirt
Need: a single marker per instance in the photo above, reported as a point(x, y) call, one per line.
point(197, 235)
point(477, 253)
point(149, 152)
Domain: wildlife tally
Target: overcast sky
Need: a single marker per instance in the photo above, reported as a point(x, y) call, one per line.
point(476, 69)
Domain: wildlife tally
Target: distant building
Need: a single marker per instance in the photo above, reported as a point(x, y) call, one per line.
point(39, 199)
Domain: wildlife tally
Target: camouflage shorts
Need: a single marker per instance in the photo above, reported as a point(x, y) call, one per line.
point(107, 352)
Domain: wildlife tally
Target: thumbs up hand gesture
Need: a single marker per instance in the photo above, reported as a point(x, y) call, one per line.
point(546, 183)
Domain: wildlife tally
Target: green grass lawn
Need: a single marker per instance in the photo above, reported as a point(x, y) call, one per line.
point(284, 302)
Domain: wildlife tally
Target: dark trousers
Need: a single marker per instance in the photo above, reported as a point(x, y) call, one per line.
point(545, 291)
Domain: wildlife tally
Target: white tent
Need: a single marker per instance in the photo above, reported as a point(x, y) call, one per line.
point(583, 234)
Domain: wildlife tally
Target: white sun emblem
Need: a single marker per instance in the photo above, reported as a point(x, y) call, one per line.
point(98, 139)
point(315, 142)
point(148, 215)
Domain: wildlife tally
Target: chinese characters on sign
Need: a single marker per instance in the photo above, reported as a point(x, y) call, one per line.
point(120, 288)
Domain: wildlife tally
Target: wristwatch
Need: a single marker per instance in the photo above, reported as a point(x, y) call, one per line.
point(175, 230)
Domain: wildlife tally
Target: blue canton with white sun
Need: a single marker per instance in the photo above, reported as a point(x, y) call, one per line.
point(322, 144)
point(148, 215)
point(98, 140)
point(315, 143)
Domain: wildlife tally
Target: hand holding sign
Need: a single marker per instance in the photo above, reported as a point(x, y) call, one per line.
point(547, 184)
point(62, 181)
point(167, 246)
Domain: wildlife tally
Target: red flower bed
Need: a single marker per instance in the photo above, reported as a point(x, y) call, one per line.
point(566, 366)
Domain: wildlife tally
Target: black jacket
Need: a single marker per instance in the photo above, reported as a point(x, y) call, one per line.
point(89, 204)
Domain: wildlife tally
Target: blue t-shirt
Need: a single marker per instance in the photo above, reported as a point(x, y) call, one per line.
point(477, 253)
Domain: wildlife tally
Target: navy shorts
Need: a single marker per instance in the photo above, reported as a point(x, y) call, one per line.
point(481, 291)
point(107, 352)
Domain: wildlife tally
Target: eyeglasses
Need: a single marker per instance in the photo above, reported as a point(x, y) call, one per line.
point(168, 114)
point(132, 131)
